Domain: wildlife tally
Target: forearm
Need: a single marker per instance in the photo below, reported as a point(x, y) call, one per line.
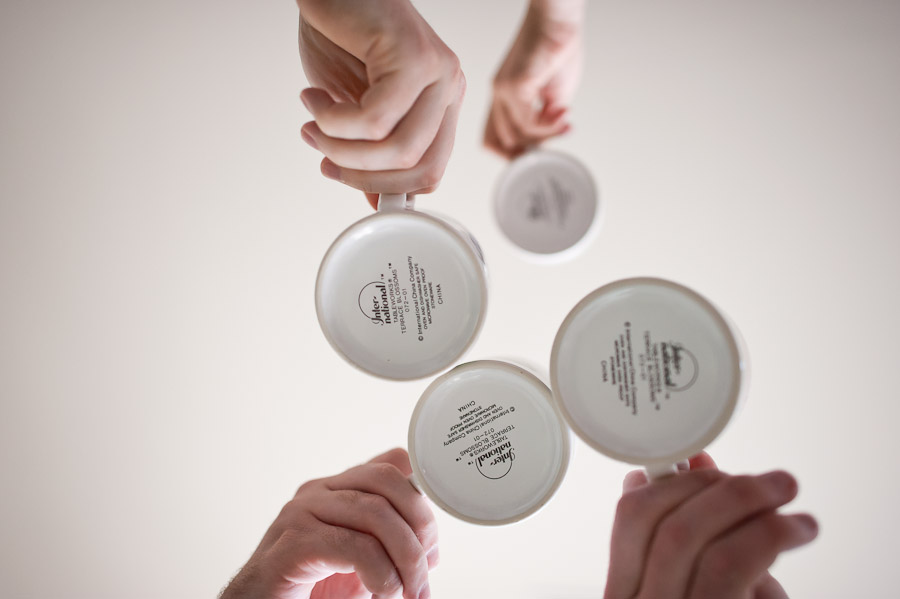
point(559, 11)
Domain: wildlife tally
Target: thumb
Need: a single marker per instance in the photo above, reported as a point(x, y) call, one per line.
point(346, 586)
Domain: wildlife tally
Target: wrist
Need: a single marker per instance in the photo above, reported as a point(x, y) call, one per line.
point(262, 576)
point(244, 585)
point(256, 580)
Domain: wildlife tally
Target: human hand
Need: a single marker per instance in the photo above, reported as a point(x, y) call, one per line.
point(363, 534)
point(703, 534)
point(536, 82)
point(385, 98)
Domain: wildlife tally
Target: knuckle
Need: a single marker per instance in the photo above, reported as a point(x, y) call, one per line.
point(632, 505)
point(703, 478)
point(365, 544)
point(364, 502)
point(336, 537)
point(427, 534)
point(385, 470)
point(438, 57)
point(377, 124)
point(292, 512)
point(673, 534)
point(349, 497)
point(457, 85)
point(430, 176)
point(306, 487)
point(775, 531)
point(288, 510)
point(634, 480)
point(744, 491)
point(706, 477)
point(376, 505)
point(420, 42)
point(452, 64)
point(408, 157)
point(397, 454)
point(414, 561)
point(461, 80)
point(429, 53)
point(368, 185)
point(719, 562)
point(330, 126)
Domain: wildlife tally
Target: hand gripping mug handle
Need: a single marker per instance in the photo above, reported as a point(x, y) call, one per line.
point(395, 201)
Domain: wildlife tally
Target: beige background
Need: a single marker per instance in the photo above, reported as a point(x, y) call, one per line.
point(164, 386)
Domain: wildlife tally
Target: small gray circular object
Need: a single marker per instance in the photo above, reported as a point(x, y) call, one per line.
point(546, 204)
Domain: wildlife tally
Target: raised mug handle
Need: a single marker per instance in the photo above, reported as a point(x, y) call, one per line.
point(658, 471)
point(395, 201)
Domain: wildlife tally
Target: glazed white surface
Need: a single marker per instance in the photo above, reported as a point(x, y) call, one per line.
point(487, 443)
point(401, 295)
point(615, 376)
point(546, 204)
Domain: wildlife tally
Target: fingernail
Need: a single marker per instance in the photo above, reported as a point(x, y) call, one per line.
point(808, 525)
point(331, 170)
point(308, 139)
point(425, 593)
point(305, 101)
point(780, 482)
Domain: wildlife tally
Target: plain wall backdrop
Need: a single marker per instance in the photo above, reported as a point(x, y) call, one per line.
point(164, 385)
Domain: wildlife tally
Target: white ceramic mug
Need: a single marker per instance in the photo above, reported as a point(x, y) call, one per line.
point(402, 294)
point(547, 205)
point(487, 444)
point(648, 371)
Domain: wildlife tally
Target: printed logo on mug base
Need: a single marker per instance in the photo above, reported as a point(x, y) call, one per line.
point(487, 444)
point(402, 294)
point(547, 205)
point(647, 371)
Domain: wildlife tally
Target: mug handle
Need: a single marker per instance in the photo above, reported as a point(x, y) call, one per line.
point(395, 201)
point(658, 471)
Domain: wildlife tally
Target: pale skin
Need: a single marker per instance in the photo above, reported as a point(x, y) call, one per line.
point(386, 91)
point(385, 101)
point(534, 86)
point(366, 533)
point(385, 95)
point(703, 534)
